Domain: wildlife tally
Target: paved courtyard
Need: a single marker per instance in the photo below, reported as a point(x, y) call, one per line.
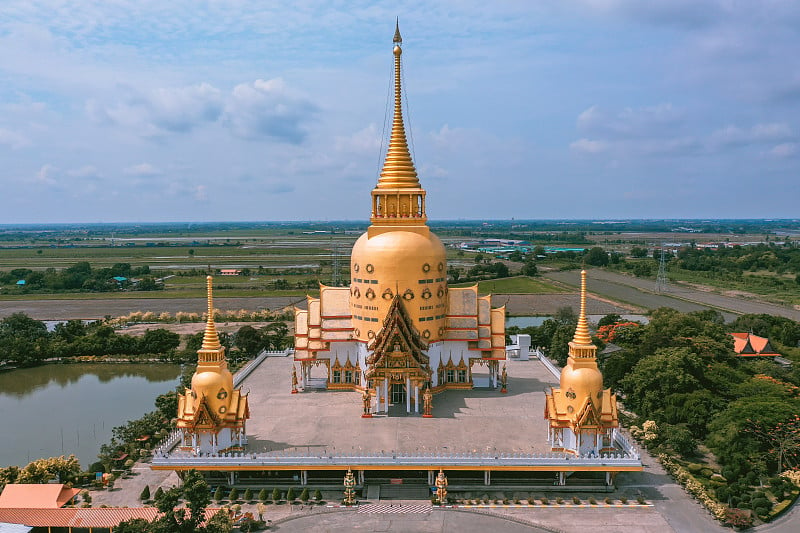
point(464, 421)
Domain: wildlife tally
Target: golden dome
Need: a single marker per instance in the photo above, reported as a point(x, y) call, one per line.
point(584, 381)
point(216, 385)
point(411, 264)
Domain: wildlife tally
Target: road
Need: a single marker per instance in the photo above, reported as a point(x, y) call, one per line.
point(641, 292)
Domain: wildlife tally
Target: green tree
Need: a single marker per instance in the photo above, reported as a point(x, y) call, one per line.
point(529, 268)
point(233, 495)
point(290, 495)
point(248, 495)
point(145, 495)
point(276, 495)
point(218, 496)
point(596, 257)
point(304, 495)
point(158, 341)
point(638, 252)
point(135, 525)
point(249, 340)
point(263, 495)
point(608, 320)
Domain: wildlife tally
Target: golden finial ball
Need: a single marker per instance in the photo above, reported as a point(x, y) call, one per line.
point(397, 50)
point(209, 278)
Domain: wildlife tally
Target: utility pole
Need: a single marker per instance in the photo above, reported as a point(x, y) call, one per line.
point(662, 283)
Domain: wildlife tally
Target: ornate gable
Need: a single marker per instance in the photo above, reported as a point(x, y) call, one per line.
point(398, 347)
point(204, 417)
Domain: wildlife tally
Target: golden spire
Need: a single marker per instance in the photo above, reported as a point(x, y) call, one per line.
point(398, 168)
point(582, 336)
point(210, 337)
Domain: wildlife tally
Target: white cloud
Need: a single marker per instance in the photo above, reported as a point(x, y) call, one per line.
point(142, 170)
point(87, 171)
point(759, 133)
point(785, 150)
point(13, 139)
point(589, 146)
point(46, 175)
point(265, 109)
point(656, 121)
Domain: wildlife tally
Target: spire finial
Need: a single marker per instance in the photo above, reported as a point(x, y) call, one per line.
point(210, 337)
point(398, 167)
point(397, 39)
point(582, 336)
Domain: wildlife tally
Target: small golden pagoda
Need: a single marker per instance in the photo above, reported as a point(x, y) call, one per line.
point(397, 325)
point(212, 414)
point(582, 414)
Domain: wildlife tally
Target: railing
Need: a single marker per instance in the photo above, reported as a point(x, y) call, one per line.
point(550, 365)
point(247, 369)
point(623, 442)
point(309, 460)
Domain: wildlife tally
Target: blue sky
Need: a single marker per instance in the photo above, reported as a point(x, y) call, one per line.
point(138, 110)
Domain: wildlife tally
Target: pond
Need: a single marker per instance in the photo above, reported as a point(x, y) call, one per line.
point(528, 321)
point(54, 410)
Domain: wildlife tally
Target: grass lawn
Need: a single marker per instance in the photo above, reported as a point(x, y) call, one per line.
point(515, 285)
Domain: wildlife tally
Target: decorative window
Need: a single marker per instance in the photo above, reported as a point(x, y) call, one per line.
point(570, 409)
point(426, 267)
point(369, 268)
point(371, 334)
point(426, 334)
point(370, 294)
point(426, 294)
point(451, 376)
point(357, 293)
point(356, 268)
point(441, 331)
point(440, 266)
point(441, 375)
point(408, 295)
point(570, 394)
point(440, 292)
point(222, 409)
point(337, 376)
point(222, 394)
point(387, 294)
point(348, 376)
point(462, 376)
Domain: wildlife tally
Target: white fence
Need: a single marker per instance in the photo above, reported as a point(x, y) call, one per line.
point(310, 460)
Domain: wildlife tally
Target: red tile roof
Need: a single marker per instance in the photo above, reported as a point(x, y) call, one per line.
point(78, 517)
point(747, 344)
point(35, 495)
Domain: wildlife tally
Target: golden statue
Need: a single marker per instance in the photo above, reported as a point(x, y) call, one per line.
point(427, 403)
point(504, 380)
point(294, 380)
point(349, 488)
point(441, 488)
point(366, 398)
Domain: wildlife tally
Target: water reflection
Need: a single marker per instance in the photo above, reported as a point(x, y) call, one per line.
point(61, 409)
point(23, 382)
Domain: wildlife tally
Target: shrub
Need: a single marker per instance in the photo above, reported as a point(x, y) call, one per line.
point(233, 495)
point(276, 495)
point(545, 501)
point(640, 500)
point(623, 500)
point(290, 495)
point(218, 496)
point(576, 500)
point(263, 495)
point(738, 518)
point(248, 495)
point(304, 495)
point(608, 500)
point(159, 493)
point(592, 501)
point(694, 468)
point(145, 495)
point(706, 472)
point(559, 500)
point(318, 495)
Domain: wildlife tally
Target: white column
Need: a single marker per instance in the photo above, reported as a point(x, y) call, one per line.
point(430, 477)
point(408, 395)
point(304, 477)
point(487, 477)
point(416, 398)
point(386, 395)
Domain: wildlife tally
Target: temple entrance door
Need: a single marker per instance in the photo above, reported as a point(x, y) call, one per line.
point(398, 393)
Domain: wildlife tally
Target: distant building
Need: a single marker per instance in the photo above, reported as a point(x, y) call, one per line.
point(230, 272)
point(749, 345)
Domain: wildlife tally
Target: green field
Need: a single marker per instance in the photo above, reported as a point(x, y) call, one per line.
point(515, 285)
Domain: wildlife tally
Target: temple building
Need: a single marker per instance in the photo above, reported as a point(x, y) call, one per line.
point(582, 415)
point(212, 414)
point(399, 329)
